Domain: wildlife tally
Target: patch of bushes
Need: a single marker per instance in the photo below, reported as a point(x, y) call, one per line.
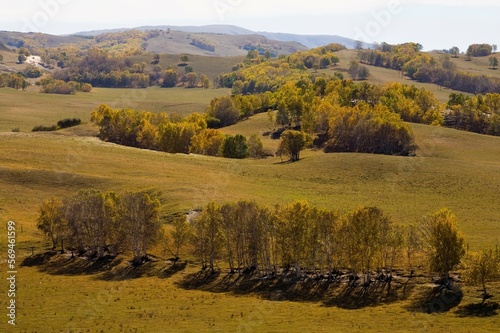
point(204, 44)
point(32, 72)
point(64, 123)
point(51, 86)
point(43, 128)
point(69, 122)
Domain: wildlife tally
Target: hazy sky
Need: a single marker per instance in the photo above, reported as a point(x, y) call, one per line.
point(436, 24)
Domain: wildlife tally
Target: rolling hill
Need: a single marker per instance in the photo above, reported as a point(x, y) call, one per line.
point(309, 41)
point(166, 42)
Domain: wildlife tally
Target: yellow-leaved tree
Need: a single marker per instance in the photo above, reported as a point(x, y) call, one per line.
point(443, 242)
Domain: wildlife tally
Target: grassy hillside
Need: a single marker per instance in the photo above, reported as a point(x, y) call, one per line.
point(477, 65)
point(174, 42)
point(178, 42)
point(452, 169)
point(210, 66)
point(381, 75)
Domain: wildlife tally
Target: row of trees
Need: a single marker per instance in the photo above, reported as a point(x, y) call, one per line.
point(103, 68)
point(95, 223)
point(171, 78)
point(367, 129)
point(480, 113)
point(304, 238)
point(173, 134)
point(250, 238)
point(258, 75)
point(49, 85)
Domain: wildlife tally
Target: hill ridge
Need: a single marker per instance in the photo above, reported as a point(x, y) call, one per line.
point(309, 41)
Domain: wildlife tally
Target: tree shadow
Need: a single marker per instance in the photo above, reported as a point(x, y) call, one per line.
point(199, 280)
point(487, 309)
point(358, 296)
point(150, 268)
point(38, 259)
point(172, 270)
point(127, 271)
point(66, 264)
point(436, 299)
point(107, 268)
point(283, 287)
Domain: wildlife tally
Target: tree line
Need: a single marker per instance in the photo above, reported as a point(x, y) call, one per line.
point(14, 81)
point(480, 113)
point(303, 238)
point(258, 74)
point(248, 238)
point(307, 241)
point(102, 68)
point(49, 85)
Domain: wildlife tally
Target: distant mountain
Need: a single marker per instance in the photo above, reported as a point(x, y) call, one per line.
point(309, 41)
point(206, 29)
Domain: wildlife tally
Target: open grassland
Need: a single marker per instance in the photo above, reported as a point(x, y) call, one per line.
point(157, 304)
point(10, 62)
point(26, 109)
point(477, 65)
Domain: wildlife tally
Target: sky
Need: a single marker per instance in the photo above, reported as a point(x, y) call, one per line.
point(436, 24)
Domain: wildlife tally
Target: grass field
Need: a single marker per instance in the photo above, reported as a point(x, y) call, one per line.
point(26, 109)
point(208, 65)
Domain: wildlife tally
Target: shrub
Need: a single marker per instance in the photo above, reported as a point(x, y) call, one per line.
point(68, 122)
point(58, 87)
point(32, 72)
point(235, 147)
point(42, 128)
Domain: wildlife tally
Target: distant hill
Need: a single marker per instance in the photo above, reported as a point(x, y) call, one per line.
point(13, 39)
point(233, 42)
point(209, 40)
point(309, 41)
point(225, 45)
